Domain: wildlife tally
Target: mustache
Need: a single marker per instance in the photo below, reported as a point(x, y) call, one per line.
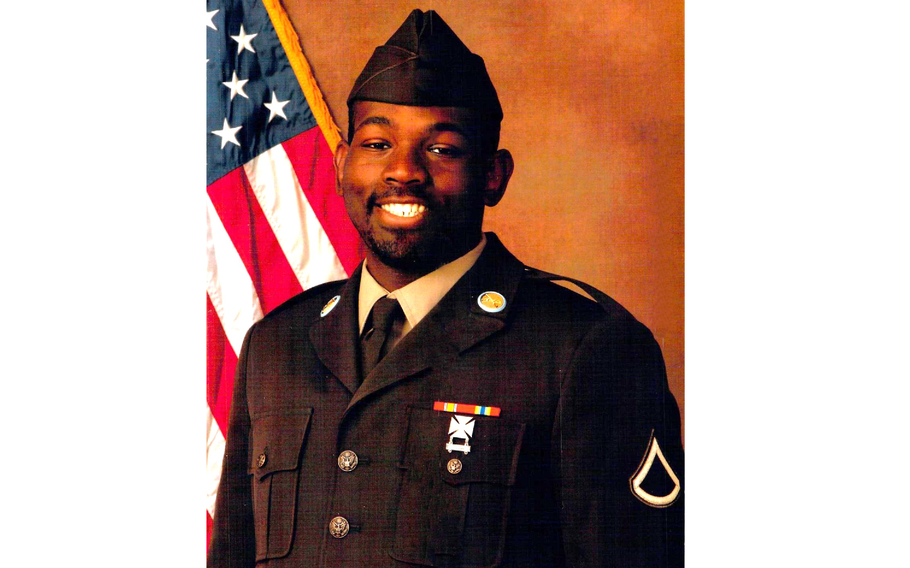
point(386, 192)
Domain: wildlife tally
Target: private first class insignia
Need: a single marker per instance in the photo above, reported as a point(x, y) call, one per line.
point(652, 454)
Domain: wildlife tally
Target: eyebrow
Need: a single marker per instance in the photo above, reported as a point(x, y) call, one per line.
point(449, 127)
point(436, 127)
point(374, 120)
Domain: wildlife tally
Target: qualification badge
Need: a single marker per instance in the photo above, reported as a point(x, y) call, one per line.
point(461, 428)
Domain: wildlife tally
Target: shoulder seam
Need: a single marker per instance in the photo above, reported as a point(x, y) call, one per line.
point(602, 299)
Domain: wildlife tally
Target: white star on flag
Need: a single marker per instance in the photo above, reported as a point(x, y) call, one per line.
point(227, 134)
point(244, 40)
point(211, 23)
point(236, 86)
point(276, 107)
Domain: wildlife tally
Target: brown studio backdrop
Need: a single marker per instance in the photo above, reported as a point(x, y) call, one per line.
point(593, 97)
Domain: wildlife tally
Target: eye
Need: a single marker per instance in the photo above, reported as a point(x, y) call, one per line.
point(446, 151)
point(376, 145)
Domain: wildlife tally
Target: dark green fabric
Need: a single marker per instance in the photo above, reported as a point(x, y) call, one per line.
point(425, 64)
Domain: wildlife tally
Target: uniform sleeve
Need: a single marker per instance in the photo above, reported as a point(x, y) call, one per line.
point(233, 541)
point(618, 453)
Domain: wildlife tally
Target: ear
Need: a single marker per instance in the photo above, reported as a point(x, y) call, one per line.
point(499, 170)
point(341, 154)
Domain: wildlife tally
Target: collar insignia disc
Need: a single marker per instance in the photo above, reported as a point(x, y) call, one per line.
point(491, 302)
point(329, 306)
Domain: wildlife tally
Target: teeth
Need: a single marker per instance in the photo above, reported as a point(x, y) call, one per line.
point(404, 209)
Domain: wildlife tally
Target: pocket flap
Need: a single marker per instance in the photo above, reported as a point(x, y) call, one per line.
point(494, 444)
point(493, 458)
point(276, 441)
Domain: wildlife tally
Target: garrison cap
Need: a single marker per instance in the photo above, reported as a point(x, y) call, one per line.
point(425, 64)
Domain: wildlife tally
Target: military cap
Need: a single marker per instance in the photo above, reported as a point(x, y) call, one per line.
point(425, 64)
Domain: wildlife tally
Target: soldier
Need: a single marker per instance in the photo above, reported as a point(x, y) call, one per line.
point(446, 405)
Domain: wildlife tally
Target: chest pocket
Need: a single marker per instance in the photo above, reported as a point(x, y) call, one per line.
point(275, 446)
point(455, 519)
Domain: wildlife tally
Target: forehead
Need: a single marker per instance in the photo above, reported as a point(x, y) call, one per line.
point(403, 117)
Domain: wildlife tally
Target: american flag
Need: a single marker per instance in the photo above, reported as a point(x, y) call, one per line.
point(275, 225)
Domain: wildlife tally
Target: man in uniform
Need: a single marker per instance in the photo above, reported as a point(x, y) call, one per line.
point(446, 405)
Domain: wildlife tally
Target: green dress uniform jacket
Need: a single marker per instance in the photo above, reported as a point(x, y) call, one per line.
point(554, 480)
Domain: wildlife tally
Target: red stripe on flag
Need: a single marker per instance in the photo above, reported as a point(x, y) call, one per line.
point(208, 530)
point(312, 160)
point(220, 364)
point(254, 240)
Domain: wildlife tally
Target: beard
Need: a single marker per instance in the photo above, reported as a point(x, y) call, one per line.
point(445, 235)
point(411, 251)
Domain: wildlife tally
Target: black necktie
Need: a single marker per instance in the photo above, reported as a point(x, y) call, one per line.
point(373, 345)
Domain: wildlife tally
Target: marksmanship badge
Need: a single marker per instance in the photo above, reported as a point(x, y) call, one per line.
point(461, 428)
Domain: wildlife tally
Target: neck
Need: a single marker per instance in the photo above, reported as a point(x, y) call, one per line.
point(394, 277)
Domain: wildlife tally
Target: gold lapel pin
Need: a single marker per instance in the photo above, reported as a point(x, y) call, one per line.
point(491, 302)
point(329, 306)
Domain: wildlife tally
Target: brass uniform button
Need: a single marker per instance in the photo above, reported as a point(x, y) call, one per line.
point(339, 527)
point(262, 459)
point(454, 466)
point(347, 461)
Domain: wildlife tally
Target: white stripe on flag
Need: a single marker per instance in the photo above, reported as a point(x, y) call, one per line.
point(297, 229)
point(214, 457)
point(229, 285)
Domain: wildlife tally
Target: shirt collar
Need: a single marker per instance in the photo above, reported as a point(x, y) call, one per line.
point(421, 295)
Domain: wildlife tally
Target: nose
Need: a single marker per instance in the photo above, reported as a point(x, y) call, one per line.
point(406, 167)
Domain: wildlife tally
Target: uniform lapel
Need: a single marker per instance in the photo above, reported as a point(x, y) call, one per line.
point(454, 325)
point(496, 271)
point(335, 336)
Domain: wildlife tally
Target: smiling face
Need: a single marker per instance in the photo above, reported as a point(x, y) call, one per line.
point(415, 182)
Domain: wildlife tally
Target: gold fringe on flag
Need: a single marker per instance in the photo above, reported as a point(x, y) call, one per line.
point(291, 44)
